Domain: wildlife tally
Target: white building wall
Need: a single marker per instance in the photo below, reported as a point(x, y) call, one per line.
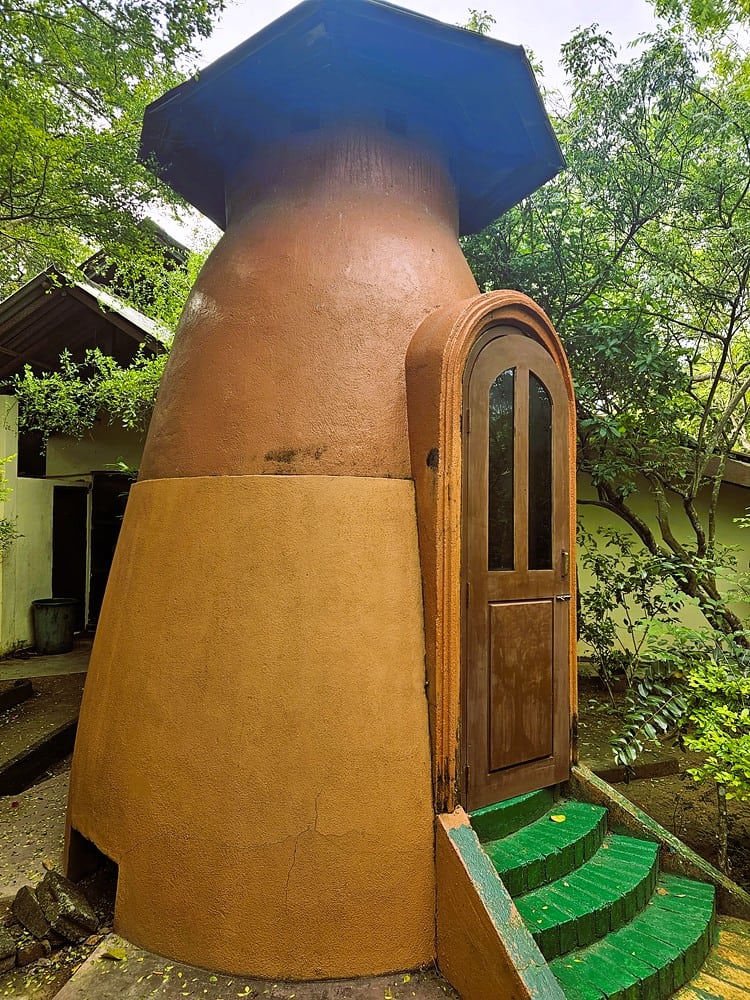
point(101, 450)
point(26, 568)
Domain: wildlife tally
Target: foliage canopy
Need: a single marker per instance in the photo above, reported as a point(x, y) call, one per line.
point(640, 253)
point(75, 78)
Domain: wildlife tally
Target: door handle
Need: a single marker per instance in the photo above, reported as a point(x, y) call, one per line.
point(563, 597)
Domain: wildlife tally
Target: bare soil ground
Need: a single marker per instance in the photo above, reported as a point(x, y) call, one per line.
point(677, 802)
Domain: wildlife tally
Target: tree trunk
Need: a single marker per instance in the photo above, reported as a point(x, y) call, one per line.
point(722, 829)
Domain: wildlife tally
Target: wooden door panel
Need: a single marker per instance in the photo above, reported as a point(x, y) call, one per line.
point(516, 530)
point(521, 691)
point(530, 585)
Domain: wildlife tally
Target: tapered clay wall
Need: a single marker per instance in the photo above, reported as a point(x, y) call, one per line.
point(262, 776)
point(253, 747)
point(290, 354)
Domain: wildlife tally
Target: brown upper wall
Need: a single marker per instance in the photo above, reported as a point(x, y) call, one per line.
point(290, 353)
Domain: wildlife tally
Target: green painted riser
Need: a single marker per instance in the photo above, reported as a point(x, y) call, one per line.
point(546, 850)
point(496, 821)
point(595, 899)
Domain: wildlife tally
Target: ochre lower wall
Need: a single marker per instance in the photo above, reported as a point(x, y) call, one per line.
point(253, 745)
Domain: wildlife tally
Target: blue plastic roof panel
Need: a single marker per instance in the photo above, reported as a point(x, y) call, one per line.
point(473, 97)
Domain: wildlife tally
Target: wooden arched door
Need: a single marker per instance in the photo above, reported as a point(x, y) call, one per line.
point(516, 570)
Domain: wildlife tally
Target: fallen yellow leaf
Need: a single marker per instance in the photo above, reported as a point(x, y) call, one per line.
point(115, 954)
point(558, 818)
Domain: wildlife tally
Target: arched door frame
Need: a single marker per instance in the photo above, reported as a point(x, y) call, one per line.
point(435, 369)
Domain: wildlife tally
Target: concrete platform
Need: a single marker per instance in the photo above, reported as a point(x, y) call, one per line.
point(74, 662)
point(117, 970)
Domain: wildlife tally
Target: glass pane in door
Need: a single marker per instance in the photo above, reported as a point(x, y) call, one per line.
point(540, 475)
point(500, 528)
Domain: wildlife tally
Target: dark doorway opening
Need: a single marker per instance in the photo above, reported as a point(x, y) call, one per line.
point(69, 537)
point(95, 873)
point(109, 497)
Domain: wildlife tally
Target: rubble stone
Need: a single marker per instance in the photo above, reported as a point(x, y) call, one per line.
point(28, 913)
point(32, 952)
point(7, 950)
point(66, 908)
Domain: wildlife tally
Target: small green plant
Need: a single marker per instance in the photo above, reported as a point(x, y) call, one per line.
point(696, 686)
point(707, 706)
point(632, 592)
point(70, 400)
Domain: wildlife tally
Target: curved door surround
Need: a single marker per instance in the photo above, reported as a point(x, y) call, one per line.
point(516, 721)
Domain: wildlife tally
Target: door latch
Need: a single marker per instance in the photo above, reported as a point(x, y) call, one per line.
point(564, 563)
point(563, 597)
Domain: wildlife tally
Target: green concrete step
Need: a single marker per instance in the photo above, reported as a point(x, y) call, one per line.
point(548, 848)
point(496, 821)
point(599, 897)
point(650, 957)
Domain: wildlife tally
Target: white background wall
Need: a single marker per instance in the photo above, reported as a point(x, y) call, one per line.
point(26, 569)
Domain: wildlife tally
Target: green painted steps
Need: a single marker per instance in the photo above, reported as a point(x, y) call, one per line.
point(600, 896)
point(606, 921)
point(653, 955)
point(545, 850)
point(496, 821)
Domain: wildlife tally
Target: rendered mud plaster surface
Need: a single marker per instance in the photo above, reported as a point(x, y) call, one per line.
point(272, 758)
point(337, 247)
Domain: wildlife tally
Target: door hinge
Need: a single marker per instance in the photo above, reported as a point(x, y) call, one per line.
point(565, 560)
point(466, 778)
point(466, 422)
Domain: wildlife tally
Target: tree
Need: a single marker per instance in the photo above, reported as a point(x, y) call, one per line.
point(72, 398)
point(75, 77)
point(708, 18)
point(480, 21)
point(640, 252)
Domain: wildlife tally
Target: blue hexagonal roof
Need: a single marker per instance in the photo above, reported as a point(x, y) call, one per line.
point(328, 60)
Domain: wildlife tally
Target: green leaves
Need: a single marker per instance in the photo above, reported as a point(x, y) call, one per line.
point(631, 596)
point(74, 81)
point(655, 708)
point(70, 400)
point(639, 252)
point(719, 686)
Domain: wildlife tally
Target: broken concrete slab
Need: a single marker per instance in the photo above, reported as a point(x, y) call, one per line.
point(32, 830)
point(32, 952)
point(118, 970)
point(28, 913)
point(66, 908)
